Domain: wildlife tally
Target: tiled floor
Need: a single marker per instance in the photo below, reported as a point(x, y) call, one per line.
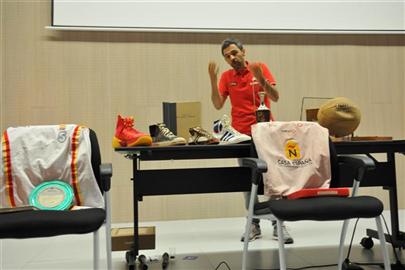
point(200, 245)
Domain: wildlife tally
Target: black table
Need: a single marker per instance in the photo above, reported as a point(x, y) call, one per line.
point(237, 179)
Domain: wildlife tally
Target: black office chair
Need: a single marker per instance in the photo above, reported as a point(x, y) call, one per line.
point(46, 223)
point(317, 208)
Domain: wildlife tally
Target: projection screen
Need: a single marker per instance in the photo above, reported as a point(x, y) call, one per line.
point(345, 16)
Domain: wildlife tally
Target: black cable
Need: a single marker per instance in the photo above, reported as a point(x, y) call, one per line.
point(351, 240)
point(313, 266)
point(326, 265)
point(398, 262)
point(304, 267)
point(370, 263)
point(330, 265)
point(348, 253)
point(392, 242)
point(223, 263)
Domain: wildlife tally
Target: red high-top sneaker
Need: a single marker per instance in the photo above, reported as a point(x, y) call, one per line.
point(126, 135)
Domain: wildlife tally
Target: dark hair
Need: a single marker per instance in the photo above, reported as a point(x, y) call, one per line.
point(227, 42)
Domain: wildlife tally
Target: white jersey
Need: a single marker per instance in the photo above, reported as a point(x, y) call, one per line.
point(34, 154)
point(296, 153)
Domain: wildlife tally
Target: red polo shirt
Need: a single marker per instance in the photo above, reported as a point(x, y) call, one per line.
point(242, 89)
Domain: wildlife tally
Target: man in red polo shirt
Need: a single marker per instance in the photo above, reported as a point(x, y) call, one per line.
point(242, 83)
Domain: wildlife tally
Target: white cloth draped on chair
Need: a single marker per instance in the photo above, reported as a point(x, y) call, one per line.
point(48, 152)
point(297, 154)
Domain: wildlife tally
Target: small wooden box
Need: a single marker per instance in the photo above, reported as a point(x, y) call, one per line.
point(312, 115)
point(123, 238)
point(179, 117)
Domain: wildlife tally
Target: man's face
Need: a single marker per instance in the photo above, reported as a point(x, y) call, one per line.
point(234, 56)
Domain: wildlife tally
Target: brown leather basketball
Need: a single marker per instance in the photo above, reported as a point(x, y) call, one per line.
point(340, 116)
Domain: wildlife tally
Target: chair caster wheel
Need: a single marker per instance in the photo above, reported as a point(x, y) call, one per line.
point(367, 242)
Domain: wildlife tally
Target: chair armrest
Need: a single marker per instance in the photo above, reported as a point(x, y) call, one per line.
point(256, 165)
point(360, 163)
point(105, 175)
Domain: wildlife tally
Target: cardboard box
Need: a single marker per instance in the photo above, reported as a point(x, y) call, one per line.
point(123, 238)
point(180, 116)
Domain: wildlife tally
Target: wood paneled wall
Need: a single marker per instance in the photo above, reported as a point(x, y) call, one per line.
point(51, 77)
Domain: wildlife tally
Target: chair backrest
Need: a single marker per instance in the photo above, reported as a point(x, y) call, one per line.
point(335, 167)
point(35, 154)
point(297, 154)
point(344, 173)
point(95, 158)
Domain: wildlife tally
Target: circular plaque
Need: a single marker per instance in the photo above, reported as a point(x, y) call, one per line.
point(52, 195)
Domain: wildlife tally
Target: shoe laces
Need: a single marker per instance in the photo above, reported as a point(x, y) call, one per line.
point(128, 122)
point(165, 131)
point(225, 120)
point(227, 125)
point(200, 131)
